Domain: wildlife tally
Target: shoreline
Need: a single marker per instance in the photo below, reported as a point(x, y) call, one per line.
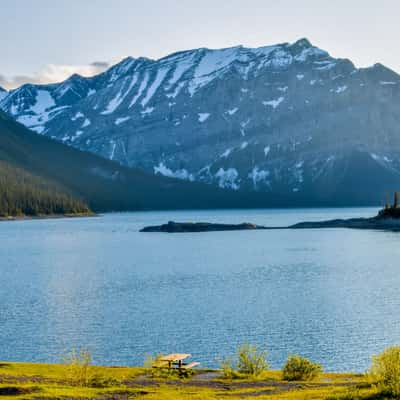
point(57, 381)
point(46, 216)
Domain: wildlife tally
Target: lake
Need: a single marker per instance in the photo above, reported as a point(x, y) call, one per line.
point(331, 295)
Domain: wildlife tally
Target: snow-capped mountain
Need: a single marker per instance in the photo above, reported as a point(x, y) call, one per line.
point(285, 118)
point(3, 93)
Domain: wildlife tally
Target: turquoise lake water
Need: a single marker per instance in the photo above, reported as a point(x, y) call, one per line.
point(331, 295)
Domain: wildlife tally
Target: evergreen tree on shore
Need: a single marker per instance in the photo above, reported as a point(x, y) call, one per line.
point(22, 193)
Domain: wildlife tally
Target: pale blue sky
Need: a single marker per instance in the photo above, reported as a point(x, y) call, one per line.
point(47, 39)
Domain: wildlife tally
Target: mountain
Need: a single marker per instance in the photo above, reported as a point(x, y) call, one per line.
point(38, 170)
point(288, 120)
point(3, 93)
point(25, 192)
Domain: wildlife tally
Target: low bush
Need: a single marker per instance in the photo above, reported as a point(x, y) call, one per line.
point(248, 362)
point(385, 371)
point(228, 369)
point(78, 366)
point(251, 361)
point(300, 369)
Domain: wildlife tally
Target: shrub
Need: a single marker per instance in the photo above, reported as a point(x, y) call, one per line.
point(228, 369)
point(300, 369)
point(249, 362)
point(79, 364)
point(385, 371)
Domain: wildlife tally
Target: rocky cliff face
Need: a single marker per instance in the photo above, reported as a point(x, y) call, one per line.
point(286, 119)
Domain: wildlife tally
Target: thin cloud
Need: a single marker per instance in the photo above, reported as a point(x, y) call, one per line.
point(54, 73)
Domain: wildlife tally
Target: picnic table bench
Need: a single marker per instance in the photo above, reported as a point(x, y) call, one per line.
point(175, 361)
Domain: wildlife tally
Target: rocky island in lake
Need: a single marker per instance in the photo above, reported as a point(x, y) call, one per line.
point(180, 227)
point(387, 219)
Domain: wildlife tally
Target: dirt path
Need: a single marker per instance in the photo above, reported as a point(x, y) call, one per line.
point(212, 380)
point(206, 380)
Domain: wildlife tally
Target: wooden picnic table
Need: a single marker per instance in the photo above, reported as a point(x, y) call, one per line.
point(175, 360)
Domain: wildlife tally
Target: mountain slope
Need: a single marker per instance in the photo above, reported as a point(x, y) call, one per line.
point(25, 194)
point(24, 191)
point(3, 93)
point(102, 184)
point(281, 119)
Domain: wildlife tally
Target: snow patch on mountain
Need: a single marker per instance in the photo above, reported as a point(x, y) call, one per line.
point(274, 103)
point(203, 117)
point(86, 123)
point(310, 52)
point(161, 73)
point(120, 97)
point(226, 153)
point(177, 90)
point(265, 50)
point(182, 66)
point(257, 176)
point(281, 59)
point(77, 116)
point(142, 87)
point(228, 179)
point(232, 111)
point(211, 62)
point(179, 174)
point(44, 101)
point(148, 110)
point(76, 136)
point(121, 120)
point(341, 89)
point(112, 152)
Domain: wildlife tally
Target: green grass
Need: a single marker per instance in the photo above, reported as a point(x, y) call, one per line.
point(50, 381)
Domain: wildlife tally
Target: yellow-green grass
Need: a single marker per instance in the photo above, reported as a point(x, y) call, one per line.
point(51, 381)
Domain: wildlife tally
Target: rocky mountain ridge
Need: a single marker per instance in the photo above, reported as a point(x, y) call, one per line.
point(284, 119)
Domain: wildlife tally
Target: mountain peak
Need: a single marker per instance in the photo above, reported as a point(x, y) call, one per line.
point(303, 42)
point(224, 116)
point(74, 77)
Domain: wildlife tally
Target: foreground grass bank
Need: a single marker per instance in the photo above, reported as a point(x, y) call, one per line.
point(49, 381)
